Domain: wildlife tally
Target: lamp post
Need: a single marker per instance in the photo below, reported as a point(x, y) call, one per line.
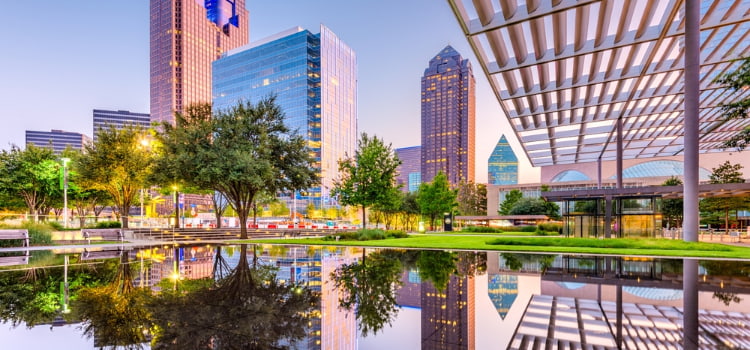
point(65, 191)
point(176, 207)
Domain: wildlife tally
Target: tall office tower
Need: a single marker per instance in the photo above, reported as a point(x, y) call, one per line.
point(58, 140)
point(186, 36)
point(409, 175)
point(314, 78)
point(119, 119)
point(502, 167)
point(448, 118)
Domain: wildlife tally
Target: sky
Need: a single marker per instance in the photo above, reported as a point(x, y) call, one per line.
point(63, 59)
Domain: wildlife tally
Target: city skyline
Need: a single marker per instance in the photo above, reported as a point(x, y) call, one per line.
point(110, 69)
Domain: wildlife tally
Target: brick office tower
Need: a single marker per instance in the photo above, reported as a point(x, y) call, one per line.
point(448, 118)
point(186, 37)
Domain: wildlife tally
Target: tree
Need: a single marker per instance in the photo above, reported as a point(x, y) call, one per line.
point(510, 200)
point(737, 82)
point(32, 174)
point(220, 204)
point(239, 152)
point(369, 177)
point(115, 164)
point(472, 198)
point(535, 206)
point(672, 209)
point(436, 198)
point(723, 174)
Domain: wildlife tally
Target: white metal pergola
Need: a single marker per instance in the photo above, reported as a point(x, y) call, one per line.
point(566, 71)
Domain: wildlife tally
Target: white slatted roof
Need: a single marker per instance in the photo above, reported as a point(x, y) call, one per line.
point(564, 71)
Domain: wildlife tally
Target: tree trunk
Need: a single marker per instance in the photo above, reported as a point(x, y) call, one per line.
point(255, 214)
point(218, 218)
point(124, 221)
point(364, 218)
point(726, 221)
point(242, 216)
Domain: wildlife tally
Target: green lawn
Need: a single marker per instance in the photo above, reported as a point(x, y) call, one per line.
point(500, 234)
point(630, 247)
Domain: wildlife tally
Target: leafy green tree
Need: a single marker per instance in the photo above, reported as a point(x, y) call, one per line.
point(535, 206)
point(239, 152)
point(737, 82)
point(409, 210)
point(31, 174)
point(220, 204)
point(672, 209)
point(115, 164)
point(724, 174)
point(510, 200)
point(472, 198)
point(369, 177)
point(389, 207)
point(436, 198)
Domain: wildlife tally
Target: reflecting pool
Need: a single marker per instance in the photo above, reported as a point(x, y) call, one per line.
point(309, 297)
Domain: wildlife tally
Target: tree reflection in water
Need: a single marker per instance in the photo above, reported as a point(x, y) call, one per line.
point(115, 315)
point(247, 309)
point(369, 287)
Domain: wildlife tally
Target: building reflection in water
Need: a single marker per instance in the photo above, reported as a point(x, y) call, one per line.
point(331, 328)
point(613, 303)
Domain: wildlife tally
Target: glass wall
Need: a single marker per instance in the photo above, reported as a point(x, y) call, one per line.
point(630, 217)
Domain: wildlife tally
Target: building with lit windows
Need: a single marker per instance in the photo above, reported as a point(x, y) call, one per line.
point(448, 115)
point(502, 167)
point(119, 119)
point(58, 140)
point(186, 36)
point(314, 79)
point(409, 175)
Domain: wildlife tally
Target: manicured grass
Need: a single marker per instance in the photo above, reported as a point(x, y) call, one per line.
point(630, 247)
point(515, 234)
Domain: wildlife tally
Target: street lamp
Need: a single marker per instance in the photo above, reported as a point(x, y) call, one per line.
point(65, 191)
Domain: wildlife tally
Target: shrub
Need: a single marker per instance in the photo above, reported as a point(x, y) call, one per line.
point(551, 228)
point(482, 229)
point(56, 225)
point(108, 224)
point(366, 235)
point(526, 228)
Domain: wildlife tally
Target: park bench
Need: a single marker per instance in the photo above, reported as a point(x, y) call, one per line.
point(16, 234)
point(101, 254)
point(102, 233)
point(15, 260)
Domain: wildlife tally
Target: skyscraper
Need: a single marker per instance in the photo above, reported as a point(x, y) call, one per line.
point(448, 118)
point(409, 175)
point(314, 78)
point(186, 36)
point(502, 167)
point(58, 140)
point(119, 119)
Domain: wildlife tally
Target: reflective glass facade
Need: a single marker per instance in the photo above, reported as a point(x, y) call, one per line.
point(119, 119)
point(448, 114)
point(314, 79)
point(502, 167)
point(409, 176)
point(186, 36)
point(657, 168)
point(58, 140)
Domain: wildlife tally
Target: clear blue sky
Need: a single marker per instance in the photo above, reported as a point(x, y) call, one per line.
point(62, 59)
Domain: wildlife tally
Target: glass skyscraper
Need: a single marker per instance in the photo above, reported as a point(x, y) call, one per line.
point(409, 175)
point(58, 140)
point(314, 78)
point(119, 119)
point(448, 115)
point(502, 167)
point(186, 36)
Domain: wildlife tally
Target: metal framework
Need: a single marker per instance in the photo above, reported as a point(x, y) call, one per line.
point(567, 72)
